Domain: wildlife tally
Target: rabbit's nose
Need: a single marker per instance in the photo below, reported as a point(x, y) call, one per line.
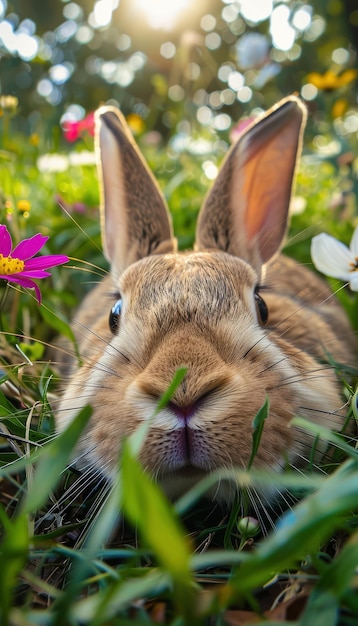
point(185, 413)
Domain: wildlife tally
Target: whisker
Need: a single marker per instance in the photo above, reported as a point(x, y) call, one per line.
point(260, 509)
point(86, 331)
point(84, 233)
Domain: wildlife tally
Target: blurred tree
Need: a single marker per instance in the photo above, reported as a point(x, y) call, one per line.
point(205, 63)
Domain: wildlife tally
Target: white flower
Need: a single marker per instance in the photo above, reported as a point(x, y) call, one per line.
point(84, 157)
point(333, 258)
point(53, 163)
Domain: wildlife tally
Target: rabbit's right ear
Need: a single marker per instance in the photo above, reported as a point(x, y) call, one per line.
point(246, 211)
point(134, 217)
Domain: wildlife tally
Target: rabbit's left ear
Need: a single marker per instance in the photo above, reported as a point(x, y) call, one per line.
point(134, 217)
point(246, 211)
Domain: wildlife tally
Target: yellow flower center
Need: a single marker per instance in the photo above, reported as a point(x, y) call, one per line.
point(354, 265)
point(10, 266)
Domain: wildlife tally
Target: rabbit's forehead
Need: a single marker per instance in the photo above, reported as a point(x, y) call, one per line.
point(213, 275)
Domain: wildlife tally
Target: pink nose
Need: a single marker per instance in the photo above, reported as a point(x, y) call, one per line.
point(184, 413)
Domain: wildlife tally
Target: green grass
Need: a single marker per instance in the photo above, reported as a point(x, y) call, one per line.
point(73, 555)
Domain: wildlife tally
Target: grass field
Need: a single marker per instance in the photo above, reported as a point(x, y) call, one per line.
point(74, 552)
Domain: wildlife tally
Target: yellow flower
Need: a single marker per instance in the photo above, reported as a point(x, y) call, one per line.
point(330, 80)
point(8, 103)
point(34, 139)
point(339, 108)
point(135, 123)
point(23, 206)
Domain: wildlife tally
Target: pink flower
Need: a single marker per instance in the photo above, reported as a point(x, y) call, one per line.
point(240, 127)
point(73, 130)
point(19, 266)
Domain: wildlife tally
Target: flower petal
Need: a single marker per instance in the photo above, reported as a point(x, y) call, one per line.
point(347, 77)
point(44, 262)
point(71, 131)
point(29, 247)
point(316, 79)
point(331, 257)
point(354, 243)
point(354, 281)
point(5, 241)
point(25, 282)
point(34, 274)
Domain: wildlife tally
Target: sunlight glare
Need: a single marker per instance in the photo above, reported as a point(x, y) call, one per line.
point(256, 10)
point(161, 13)
point(282, 33)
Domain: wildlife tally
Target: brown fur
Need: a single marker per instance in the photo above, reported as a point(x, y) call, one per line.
point(198, 310)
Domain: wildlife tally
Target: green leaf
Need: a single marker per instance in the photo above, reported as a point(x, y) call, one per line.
point(258, 427)
point(354, 402)
point(146, 507)
point(33, 351)
point(14, 552)
point(6, 408)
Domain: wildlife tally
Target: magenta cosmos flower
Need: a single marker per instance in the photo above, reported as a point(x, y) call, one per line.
point(74, 130)
point(19, 266)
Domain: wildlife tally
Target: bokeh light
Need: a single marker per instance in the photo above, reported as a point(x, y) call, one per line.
point(161, 13)
point(282, 33)
point(256, 10)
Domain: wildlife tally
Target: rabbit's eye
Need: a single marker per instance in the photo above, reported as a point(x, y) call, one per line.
point(114, 316)
point(261, 307)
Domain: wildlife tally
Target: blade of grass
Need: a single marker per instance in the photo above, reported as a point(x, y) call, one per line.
point(146, 507)
point(52, 460)
point(136, 440)
point(14, 552)
point(243, 479)
point(326, 434)
point(106, 604)
point(258, 427)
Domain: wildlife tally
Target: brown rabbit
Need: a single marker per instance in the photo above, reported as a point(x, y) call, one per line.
point(245, 322)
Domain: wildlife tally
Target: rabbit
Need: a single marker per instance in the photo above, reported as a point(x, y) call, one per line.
point(245, 321)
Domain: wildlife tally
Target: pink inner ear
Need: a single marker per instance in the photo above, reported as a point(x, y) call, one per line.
point(245, 213)
point(271, 201)
point(254, 219)
point(135, 219)
point(267, 170)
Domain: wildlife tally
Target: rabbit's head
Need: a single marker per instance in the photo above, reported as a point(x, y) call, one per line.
point(208, 311)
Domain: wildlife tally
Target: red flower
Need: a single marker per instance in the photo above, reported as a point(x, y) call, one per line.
point(73, 130)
